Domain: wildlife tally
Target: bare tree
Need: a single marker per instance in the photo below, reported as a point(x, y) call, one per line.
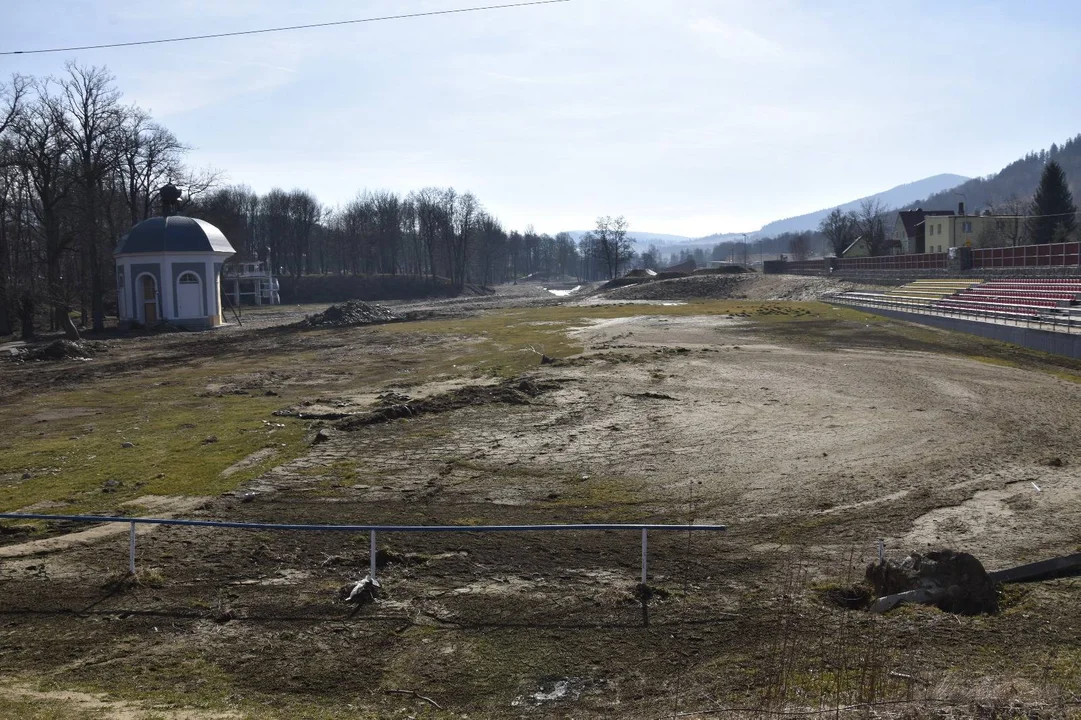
point(872, 226)
point(1007, 226)
point(609, 244)
point(92, 104)
point(841, 230)
point(466, 211)
point(43, 152)
point(799, 247)
point(150, 157)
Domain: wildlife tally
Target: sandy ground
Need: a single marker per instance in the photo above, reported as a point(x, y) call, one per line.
point(811, 441)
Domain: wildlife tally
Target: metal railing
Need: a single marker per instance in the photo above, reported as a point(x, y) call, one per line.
point(1038, 321)
point(371, 529)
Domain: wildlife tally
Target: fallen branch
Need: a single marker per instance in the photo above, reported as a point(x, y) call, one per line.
point(417, 695)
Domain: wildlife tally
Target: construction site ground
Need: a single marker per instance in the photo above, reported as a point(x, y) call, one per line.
point(812, 431)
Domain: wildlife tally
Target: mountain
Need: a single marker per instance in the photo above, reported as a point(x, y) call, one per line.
point(1016, 181)
point(642, 238)
point(898, 197)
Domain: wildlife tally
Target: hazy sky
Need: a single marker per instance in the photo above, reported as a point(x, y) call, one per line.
point(687, 116)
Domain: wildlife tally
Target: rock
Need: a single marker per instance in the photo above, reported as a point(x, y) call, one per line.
point(955, 581)
point(127, 445)
point(321, 437)
point(210, 439)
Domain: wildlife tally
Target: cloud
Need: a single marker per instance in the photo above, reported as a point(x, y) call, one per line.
point(739, 43)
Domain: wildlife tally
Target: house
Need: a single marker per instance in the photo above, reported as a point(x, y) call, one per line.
point(943, 231)
point(170, 268)
point(909, 227)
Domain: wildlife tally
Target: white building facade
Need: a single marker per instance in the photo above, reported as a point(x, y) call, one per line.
point(170, 269)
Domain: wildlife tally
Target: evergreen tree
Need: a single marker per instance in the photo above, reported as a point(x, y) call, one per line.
point(1053, 210)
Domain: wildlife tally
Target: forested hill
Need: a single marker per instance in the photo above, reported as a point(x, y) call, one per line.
point(892, 198)
point(1015, 182)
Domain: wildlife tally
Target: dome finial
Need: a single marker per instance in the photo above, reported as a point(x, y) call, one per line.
point(170, 199)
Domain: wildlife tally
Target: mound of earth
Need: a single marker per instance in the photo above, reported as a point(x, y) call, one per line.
point(353, 313)
point(733, 287)
point(64, 350)
point(511, 392)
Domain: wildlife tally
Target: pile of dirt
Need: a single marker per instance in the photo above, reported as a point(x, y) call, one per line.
point(511, 392)
point(351, 314)
point(64, 350)
point(695, 286)
point(733, 286)
point(954, 581)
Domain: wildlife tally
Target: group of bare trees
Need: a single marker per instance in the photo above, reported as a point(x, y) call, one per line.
point(432, 232)
point(868, 224)
point(77, 168)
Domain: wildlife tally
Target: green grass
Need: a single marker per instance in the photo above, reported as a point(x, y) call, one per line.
point(70, 457)
point(498, 343)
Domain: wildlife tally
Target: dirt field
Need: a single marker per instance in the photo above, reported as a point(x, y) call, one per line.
point(811, 431)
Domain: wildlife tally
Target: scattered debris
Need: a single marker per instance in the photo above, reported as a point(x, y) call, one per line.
point(362, 592)
point(953, 581)
point(555, 689)
point(511, 392)
point(650, 396)
point(417, 695)
point(353, 313)
point(1043, 570)
point(63, 350)
point(849, 597)
point(384, 557)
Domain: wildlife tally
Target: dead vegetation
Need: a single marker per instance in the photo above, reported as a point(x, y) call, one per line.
point(811, 451)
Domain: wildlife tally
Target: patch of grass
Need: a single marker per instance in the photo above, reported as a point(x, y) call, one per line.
point(606, 499)
point(77, 455)
point(499, 342)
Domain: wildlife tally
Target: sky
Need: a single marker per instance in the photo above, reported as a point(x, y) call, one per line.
point(688, 117)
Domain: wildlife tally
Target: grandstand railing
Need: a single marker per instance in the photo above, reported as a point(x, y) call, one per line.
point(1052, 322)
point(370, 529)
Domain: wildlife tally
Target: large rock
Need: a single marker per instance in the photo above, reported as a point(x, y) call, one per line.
point(955, 581)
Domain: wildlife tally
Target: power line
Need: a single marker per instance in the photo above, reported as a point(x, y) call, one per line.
point(286, 28)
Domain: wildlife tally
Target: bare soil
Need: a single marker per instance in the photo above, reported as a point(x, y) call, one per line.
point(811, 435)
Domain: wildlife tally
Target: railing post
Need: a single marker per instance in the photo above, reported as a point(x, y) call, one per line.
point(131, 549)
point(644, 550)
point(371, 556)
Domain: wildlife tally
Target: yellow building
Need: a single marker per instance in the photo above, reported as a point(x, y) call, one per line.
point(943, 232)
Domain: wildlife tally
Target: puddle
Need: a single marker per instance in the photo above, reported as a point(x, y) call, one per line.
point(564, 293)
